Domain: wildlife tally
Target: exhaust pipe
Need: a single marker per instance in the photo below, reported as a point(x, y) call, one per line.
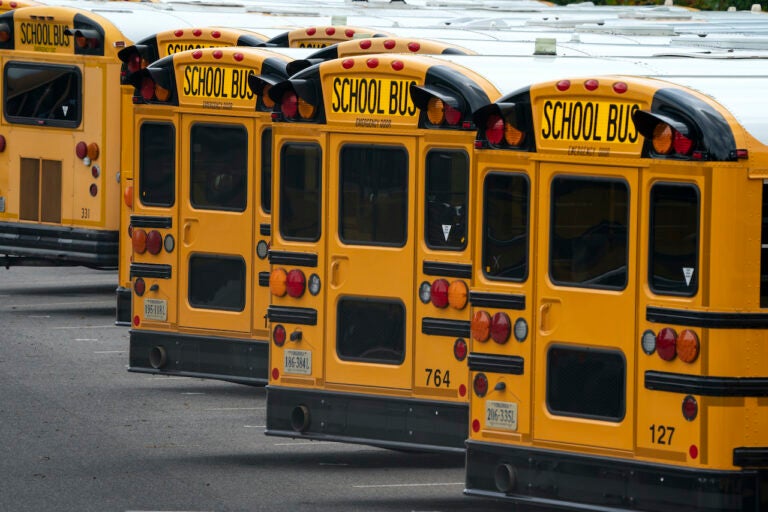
point(300, 418)
point(157, 357)
point(505, 478)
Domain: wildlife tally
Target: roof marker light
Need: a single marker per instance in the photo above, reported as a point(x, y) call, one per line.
point(591, 84)
point(620, 87)
point(414, 46)
point(365, 44)
point(563, 85)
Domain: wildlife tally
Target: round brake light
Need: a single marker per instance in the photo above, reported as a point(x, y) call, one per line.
point(460, 349)
point(147, 88)
point(666, 343)
point(494, 129)
point(501, 327)
point(295, 283)
point(139, 286)
point(154, 242)
point(289, 105)
point(480, 384)
point(682, 144)
point(690, 408)
point(440, 293)
point(452, 115)
point(278, 335)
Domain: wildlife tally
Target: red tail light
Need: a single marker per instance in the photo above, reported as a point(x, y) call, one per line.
point(494, 129)
point(501, 327)
point(139, 286)
point(295, 283)
point(147, 88)
point(690, 408)
point(666, 344)
point(682, 144)
point(289, 105)
point(134, 64)
point(278, 335)
point(452, 116)
point(440, 293)
point(154, 242)
point(460, 349)
point(480, 384)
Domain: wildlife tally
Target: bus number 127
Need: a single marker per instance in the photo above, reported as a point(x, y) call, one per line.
point(661, 434)
point(438, 378)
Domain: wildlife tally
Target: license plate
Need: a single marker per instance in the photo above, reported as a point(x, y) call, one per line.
point(297, 362)
point(156, 309)
point(501, 415)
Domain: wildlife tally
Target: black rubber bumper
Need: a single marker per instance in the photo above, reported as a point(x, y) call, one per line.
point(123, 309)
point(396, 423)
point(233, 360)
point(563, 481)
point(59, 245)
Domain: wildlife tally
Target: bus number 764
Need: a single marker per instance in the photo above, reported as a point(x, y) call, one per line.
point(438, 377)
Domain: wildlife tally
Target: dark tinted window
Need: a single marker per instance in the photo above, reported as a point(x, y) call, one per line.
point(219, 167)
point(588, 240)
point(586, 382)
point(157, 164)
point(505, 226)
point(371, 330)
point(266, 170)
point(446, 189)
point(373, 195)
point(674, 245)
point(217, 282)
point(42, 94)
point(300, 192)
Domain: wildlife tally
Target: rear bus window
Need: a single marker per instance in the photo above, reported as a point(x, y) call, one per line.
point(371, 330)
point(42, 94)
point(217, 282)
point(586, 382)
point(674, 245)
point(300, 182)
point(157, 164)
point(588, 237)
point(505, 226)
point(446, 189)
point(219, 167)
point(373, 195)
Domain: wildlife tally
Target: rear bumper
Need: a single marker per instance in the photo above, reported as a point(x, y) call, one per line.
point(395, 423)
point(36, 244)
point(565, 481)
point(235, 360)
point(123, 310)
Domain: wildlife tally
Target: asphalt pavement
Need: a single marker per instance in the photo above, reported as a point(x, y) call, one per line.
point(80, 433)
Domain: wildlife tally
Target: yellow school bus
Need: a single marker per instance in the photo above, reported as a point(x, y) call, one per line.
point(620, 293)
point(320, 36)
point(58, 197)
point(134, 58)
point(369, 255)
point(200, 218)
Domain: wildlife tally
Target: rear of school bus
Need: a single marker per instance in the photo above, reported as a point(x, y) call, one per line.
point(624, 235)
point(200, 220)
point(370, 257)
point(134, 58)
point(60, 137)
